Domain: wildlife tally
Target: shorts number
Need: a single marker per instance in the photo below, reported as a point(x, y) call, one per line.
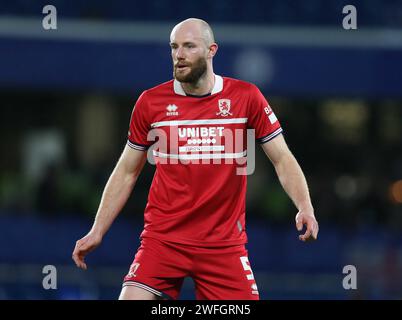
point(246, 267)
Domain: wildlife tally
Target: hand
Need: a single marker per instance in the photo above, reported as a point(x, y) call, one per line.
point(84, 246)
point(306, 217)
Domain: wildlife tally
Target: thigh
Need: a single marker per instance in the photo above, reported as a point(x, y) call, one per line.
point(225, 274)
point(157, 268)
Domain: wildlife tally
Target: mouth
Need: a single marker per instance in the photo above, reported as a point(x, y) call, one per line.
point(181, 66)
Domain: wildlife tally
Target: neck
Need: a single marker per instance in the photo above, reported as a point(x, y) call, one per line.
point(203, 86)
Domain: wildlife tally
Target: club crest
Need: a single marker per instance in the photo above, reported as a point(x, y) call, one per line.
point(224, 108)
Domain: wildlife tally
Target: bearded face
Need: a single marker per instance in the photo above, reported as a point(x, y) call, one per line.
point(188, 72)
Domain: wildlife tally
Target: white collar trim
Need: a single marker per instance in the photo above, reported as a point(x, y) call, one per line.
point(218, 86)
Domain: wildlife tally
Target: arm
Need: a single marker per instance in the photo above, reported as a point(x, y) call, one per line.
point(293, 181)
point(115, 195)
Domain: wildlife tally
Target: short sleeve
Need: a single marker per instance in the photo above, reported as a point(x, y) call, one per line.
point(139, 125)
point(261, 117)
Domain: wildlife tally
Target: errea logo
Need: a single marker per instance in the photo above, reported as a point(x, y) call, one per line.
point(172, 110)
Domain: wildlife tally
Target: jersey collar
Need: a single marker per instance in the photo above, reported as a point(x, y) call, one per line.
point(218, 86)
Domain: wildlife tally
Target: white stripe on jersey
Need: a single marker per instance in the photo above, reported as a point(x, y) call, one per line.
point(195, 122)
point(273, 134)
point(201, 155)
point(201, 148)
point(135, 146)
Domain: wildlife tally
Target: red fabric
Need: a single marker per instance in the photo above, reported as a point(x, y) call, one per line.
point(199, 201)
point(220, 273)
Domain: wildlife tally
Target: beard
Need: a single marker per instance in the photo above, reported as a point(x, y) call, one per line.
point(197, 70)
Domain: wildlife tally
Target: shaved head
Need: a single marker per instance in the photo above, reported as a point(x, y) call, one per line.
point(198, 27)
point(192, 48)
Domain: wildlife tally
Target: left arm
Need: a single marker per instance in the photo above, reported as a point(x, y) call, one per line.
point(294, 183)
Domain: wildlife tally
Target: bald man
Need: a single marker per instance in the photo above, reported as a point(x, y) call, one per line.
point(194, 220)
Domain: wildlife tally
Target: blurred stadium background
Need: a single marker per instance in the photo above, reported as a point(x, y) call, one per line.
point(66, 98)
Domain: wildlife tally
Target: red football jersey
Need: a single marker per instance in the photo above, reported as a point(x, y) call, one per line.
point(197, 196)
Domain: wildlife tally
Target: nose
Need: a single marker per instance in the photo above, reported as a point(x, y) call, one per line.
point(180, 53)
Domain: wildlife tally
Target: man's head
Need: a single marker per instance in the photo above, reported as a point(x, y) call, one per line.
point(193, 47)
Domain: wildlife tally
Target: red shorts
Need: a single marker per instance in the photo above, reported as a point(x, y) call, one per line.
point(222, 273)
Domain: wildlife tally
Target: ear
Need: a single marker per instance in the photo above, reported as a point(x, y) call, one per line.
point(213, 48)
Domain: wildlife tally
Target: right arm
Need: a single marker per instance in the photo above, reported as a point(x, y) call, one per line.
point(115, 195)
